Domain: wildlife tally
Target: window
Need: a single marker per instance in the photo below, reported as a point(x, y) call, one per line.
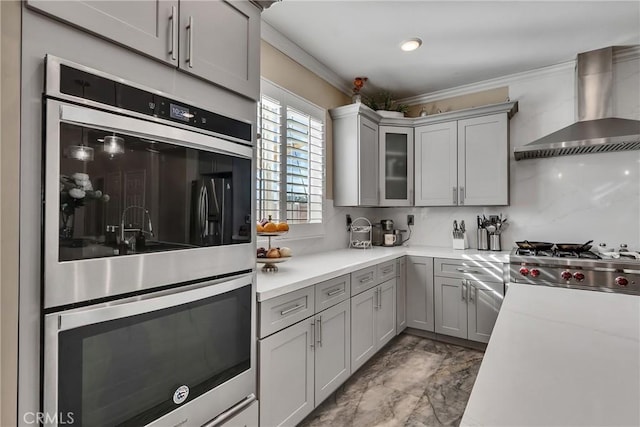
point(290, 158)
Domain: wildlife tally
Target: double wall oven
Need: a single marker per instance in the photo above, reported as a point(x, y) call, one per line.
point(148, 287)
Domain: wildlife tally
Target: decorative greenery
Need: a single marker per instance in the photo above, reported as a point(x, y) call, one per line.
point(384, 101)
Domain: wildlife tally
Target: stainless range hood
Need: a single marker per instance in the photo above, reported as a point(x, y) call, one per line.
point(596, 131)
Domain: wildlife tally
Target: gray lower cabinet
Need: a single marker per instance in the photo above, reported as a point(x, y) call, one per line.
point(373, 321)
point(485, 299)
point(302, 365)
point(149, 27)
point(401, 295)
point(451, 307)
point(332, 350)
point(286, 379)
point(466, 308)
point(420, 293)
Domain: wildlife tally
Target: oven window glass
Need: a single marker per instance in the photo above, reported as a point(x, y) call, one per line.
point(122, 195)
point(125, 372)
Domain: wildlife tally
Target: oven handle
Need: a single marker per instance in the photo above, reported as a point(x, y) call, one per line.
point(149, 130)
point(118, 310)
point(226, 416)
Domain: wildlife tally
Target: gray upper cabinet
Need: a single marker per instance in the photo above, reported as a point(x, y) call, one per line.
point(150, 27)
point(420, 293)
point(396, 166)
point(355, 156)
point(483, 161)
point(436, 160)
point(216, 40)
point(220, 42)
point(449, 159)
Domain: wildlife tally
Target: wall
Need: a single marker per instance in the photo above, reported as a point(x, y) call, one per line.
point(285, 72)
point(563, 199)
point(9, 196)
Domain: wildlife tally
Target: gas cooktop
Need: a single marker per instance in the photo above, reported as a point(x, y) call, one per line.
point(580, 270)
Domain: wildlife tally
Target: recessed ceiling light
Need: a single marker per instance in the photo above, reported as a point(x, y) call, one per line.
point(411, 44)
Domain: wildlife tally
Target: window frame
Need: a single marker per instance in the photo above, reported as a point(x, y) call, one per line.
point(296, 102)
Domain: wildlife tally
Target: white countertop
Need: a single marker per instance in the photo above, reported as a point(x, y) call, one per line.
point(560, 357)
point(307, 270)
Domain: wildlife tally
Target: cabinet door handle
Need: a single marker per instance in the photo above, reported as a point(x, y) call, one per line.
point(336, 291)
point(190, 43)
point(172, 26)
point(471, 289)
point(313, 335)
point(462, 195)
point(291, 310)
point(463, 291)
point(319, 323)
point(455, 195)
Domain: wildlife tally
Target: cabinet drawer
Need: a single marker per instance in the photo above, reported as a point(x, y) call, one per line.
point(285, 310)
point(479, 270)
point(332, 291)
point(386, 271)
point(364, 279)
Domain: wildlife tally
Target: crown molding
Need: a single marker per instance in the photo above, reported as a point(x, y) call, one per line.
point(488, 84)
point(626, 53)
point(278, 40)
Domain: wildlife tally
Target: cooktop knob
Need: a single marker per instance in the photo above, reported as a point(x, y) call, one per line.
point(535, 272)
point(566, 275)
point(621, 281)
point(524, 271)
point(578, 276)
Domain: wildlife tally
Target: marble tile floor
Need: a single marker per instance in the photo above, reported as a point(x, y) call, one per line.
point(413, 381)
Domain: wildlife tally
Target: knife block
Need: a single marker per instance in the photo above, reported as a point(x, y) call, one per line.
point(461, 244)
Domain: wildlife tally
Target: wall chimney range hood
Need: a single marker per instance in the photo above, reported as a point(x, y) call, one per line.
point(595, 131)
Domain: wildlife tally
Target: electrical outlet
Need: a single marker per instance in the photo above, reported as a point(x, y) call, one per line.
point(409, 219)
point(348, 221)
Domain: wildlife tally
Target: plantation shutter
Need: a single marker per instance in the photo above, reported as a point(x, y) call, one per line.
point(305, 163)
point(269, 159)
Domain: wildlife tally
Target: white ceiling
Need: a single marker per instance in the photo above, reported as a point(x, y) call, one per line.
point(464, 42)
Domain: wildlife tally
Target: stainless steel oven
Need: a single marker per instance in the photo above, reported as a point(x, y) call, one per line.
point(174, 357)
point(141, 189)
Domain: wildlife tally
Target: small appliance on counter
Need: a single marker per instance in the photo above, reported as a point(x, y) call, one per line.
point(399, 236)
point(388, 236)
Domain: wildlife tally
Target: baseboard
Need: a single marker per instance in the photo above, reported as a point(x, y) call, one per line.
point(446, 339)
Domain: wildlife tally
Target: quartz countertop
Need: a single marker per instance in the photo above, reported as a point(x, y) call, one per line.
point(560, 357)
point(302, 271)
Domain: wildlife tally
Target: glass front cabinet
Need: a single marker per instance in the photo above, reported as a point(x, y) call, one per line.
point(396, 166)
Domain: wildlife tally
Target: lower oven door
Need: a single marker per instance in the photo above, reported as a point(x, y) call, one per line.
point(171, 358)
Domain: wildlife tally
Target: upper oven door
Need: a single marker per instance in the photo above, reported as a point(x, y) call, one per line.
point(132, 204)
